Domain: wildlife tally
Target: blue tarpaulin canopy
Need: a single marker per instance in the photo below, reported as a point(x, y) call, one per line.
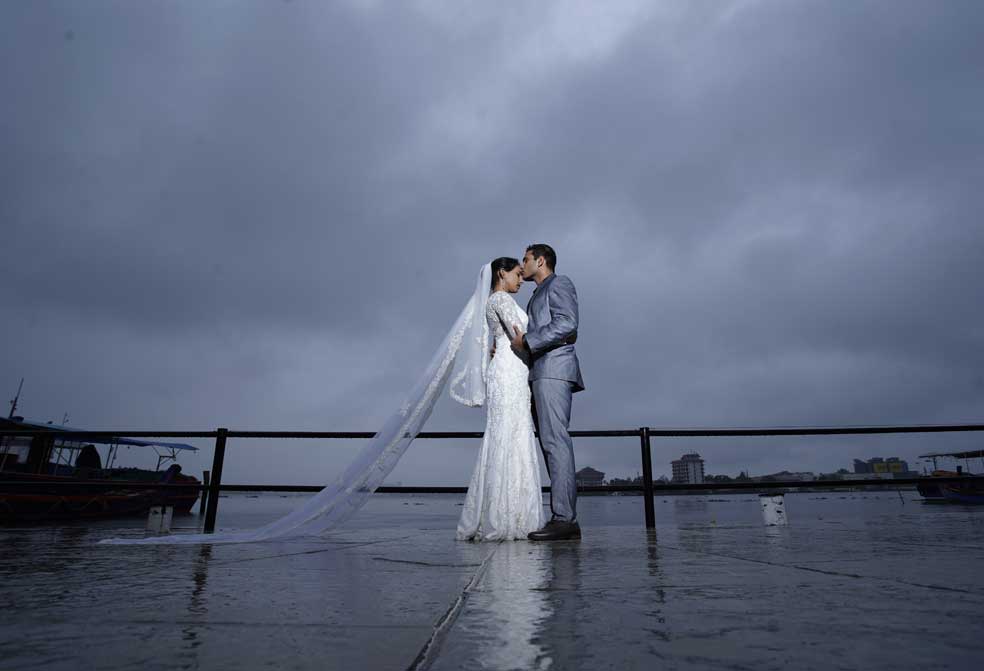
point(101, 440)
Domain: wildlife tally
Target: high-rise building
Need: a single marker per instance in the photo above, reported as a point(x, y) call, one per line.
point(896, 465)
point(688, 469)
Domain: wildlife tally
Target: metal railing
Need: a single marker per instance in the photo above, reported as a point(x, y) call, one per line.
point(213, 485)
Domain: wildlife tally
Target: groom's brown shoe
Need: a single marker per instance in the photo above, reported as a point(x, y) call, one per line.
point(556, 530)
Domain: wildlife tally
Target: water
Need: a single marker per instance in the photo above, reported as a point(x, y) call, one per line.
point(857, 579)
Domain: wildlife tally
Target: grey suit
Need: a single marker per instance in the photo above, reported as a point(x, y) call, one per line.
point(555, 375)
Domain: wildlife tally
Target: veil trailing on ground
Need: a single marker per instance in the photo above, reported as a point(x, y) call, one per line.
point(462, 358)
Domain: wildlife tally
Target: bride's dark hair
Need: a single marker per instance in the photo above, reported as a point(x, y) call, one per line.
point(506, 263)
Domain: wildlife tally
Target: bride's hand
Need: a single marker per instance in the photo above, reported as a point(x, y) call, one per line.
point(517, 341)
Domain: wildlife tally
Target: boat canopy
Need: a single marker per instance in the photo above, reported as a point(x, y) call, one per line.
point(107, 440)
point(972, 454)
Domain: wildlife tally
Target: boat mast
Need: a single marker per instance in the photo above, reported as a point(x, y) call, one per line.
point(13, 403)
point(4, 441)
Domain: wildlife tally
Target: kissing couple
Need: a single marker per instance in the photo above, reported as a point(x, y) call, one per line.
point(534, 357)
point(532, 354)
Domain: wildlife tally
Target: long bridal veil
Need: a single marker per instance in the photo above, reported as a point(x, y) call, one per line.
point(462, 358)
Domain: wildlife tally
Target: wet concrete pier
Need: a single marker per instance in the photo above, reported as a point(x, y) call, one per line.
point(852, 583)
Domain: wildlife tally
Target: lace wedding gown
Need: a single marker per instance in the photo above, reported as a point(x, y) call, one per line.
point(504, 500)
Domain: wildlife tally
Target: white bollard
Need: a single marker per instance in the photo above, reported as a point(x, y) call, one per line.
point(773, 510)
point(159, 519)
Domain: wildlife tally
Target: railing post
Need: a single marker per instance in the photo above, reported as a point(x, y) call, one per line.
point(647, 478)
point(213, 487)
point(201, 504)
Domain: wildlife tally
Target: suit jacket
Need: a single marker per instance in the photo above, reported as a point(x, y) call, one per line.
point(552, 331)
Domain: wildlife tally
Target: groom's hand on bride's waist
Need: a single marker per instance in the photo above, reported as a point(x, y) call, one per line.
point(520, 344)
point(519, 339)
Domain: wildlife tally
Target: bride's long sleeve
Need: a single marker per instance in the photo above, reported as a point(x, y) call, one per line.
point(506, 312)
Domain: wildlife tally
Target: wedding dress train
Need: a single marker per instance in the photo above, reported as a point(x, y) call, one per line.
point(504, 501)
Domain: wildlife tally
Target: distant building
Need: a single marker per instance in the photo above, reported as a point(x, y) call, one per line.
point(689, 469)
point(589, 477)
point(896, 465)
point(787, 476)
point(867, 476)
point(879, 465)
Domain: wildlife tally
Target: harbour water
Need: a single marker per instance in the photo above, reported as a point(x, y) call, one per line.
point(874, 580)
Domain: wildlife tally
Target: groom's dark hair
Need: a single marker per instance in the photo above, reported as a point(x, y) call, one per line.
point(545, 252)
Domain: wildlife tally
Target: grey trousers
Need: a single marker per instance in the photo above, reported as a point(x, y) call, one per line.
point(552, 415)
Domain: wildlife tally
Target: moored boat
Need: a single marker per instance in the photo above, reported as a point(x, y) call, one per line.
point(968, 490)
point(53, 476)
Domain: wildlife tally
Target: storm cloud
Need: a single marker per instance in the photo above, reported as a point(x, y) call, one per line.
point(266, 215)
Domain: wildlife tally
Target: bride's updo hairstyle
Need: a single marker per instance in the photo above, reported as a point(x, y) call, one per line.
point(505, 263)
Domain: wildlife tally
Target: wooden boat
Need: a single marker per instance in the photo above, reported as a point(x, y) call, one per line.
point(52, 477)
point(969, 490)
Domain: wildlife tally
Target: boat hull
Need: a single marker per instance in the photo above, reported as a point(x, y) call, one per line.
point(34, 498)
point(969, 492)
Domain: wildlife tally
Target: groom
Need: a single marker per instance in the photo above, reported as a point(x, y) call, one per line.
point(555, 375)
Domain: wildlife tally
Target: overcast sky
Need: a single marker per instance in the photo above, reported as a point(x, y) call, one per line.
point(266, 215)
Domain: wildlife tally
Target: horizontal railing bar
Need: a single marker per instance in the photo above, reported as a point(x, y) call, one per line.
point(815, 431)
point(98, 484)
point(666, 433)
point(284, 434)
point(424, 434)
point(387, 489)
point(706, 486)
point(808, 484)
point(59, 433)
point(313, 489)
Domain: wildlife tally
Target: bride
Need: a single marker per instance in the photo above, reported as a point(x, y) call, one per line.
point(503, 500)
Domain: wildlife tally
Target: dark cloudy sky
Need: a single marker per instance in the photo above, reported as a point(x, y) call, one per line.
point(266, 215)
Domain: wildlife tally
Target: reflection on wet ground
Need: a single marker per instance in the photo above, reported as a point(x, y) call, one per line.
point(853, 582)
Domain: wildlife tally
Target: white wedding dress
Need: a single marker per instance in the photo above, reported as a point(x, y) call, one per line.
point(504, 501)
